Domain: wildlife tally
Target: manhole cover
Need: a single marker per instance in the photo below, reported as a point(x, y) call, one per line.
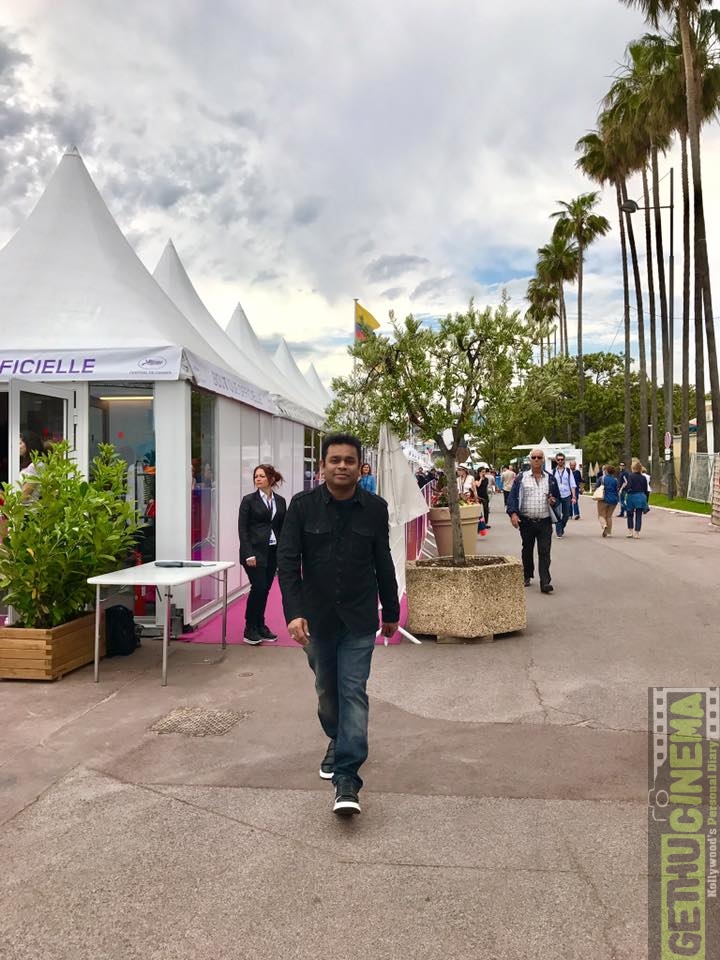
point(198, 722)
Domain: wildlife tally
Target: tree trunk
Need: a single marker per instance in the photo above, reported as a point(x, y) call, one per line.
point(702, 269)
point(453, 503)
point(685, 411)
point(580, 364)
point(654, 444)
point(627, 443)
point(664, 326)
point(643, 438)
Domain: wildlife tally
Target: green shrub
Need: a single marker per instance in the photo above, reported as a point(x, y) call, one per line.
point(75, 530)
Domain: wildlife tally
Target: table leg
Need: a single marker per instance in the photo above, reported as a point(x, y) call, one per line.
point(166, 635)
point(224, 615)
point(97, 632)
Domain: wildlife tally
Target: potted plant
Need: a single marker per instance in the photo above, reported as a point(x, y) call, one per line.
point(442, 377)
point(441, 520)
point(75, 529)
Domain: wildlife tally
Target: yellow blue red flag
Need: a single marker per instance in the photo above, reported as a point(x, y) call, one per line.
point(365, 323)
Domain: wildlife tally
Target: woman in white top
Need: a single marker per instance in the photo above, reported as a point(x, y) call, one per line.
point(465, 482)
point(30, 443)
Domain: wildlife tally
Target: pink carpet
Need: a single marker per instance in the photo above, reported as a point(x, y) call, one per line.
point(210, 631)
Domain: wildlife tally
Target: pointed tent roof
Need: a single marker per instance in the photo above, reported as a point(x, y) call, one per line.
point(291, 372)
point(240, 331)
point(70, 279)
point(172, 276)
point(313, 378)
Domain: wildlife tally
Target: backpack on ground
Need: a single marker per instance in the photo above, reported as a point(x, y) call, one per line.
point(121, 636)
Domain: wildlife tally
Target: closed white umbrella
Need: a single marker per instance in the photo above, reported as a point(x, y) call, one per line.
point(397, 485)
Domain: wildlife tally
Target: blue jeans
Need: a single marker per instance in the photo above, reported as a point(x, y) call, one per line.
point(566, 505)
point(341, 665)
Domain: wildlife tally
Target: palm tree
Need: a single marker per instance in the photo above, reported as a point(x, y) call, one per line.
point(557, 265)
point(687, 14)
point(600, 160)
point(542, 313)
point(576, 220)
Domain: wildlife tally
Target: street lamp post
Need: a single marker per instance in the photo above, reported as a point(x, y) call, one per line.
point(630, 206)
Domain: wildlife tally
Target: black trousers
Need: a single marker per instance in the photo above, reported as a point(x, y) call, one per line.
point(540, 532)
point(261, 579)
point(486, 508)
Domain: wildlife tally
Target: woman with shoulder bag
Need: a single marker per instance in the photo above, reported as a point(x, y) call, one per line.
point(607, 494)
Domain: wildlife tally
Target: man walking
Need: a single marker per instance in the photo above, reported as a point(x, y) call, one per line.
point(578, 489)
point(507, 478)
point(568, 492)
point(533, 494)
point(333, 560)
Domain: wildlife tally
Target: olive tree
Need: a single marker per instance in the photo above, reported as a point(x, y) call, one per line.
point(437, 376)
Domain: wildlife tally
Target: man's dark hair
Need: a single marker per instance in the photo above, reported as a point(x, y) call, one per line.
point(338, 439)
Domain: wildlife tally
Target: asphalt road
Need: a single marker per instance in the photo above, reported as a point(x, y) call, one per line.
point(504, 813)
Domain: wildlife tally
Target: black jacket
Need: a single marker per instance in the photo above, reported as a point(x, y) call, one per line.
point(254, 526)
point(332, 575)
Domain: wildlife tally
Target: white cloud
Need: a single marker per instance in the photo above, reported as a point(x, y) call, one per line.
point(300, 155)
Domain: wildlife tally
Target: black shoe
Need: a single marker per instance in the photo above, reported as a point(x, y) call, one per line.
point(547, 589)
point(347, 801)
point(327, 764)
point(527, 581)
point(266, 633)
point(252, 636)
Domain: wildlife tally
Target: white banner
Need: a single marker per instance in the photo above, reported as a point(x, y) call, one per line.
point(228, 384)
point(143, 363)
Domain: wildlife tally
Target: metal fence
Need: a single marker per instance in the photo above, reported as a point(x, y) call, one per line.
point(702, 473)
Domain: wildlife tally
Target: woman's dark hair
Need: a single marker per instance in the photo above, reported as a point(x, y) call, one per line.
point(270, 472)
point(33, 444)
point(340, 439)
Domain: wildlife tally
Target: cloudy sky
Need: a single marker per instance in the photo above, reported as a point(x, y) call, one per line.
point(302, 154)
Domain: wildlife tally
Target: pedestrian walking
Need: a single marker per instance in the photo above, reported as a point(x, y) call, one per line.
point(578, 489)
point(334, 559)
point(610, 499)
point(507, 479)
point(482, 492)
point(367, 480)
point(636, 489)
point(622, 478)
point(530, 506)
point(568, 492)
point(260, 520)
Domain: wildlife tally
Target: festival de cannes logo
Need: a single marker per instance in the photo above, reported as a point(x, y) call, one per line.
point(152, 363)
point(683, 912)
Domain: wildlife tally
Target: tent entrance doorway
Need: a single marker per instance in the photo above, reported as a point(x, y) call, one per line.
point(47, 411)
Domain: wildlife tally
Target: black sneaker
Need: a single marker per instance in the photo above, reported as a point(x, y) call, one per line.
point(547, 588)
point(252, 636)
point(327, 764)
point(346, 802)
point(527, 581)
point(266, 633)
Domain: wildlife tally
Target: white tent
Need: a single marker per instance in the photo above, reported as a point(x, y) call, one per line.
point(288, 398)
point(71, 282)
point(292, 375)
point(316, 384)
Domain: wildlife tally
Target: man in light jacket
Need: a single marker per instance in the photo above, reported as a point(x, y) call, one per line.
point(568, 492)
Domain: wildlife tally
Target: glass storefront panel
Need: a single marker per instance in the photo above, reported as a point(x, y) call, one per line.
point(122, 414)
point(204, 500)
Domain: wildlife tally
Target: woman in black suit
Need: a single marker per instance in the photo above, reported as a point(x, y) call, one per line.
point(260, 521)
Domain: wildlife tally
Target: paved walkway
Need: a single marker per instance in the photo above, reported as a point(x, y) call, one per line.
point(504, 809)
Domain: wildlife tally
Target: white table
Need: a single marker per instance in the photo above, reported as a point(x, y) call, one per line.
point(149, 575)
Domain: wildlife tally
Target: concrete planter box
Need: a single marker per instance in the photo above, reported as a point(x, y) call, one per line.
point(442, 528)
point(479, 600)
point(35, 654)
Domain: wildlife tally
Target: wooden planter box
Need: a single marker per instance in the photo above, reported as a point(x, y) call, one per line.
point(33, 654)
